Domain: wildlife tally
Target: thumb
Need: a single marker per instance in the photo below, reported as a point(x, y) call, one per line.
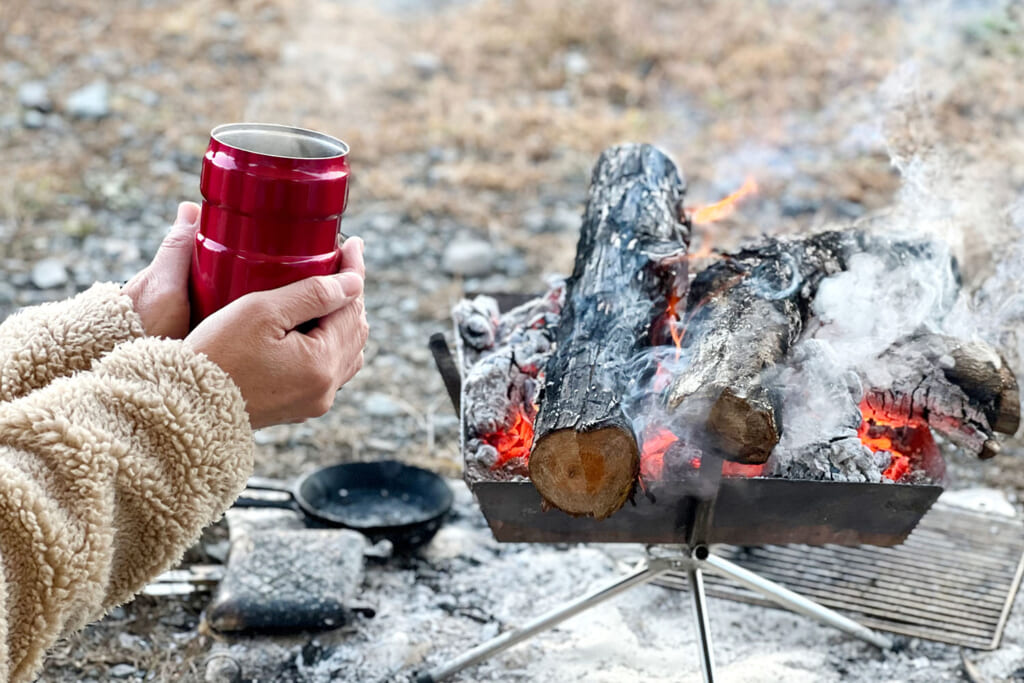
point(175, 253)
point(312, 297)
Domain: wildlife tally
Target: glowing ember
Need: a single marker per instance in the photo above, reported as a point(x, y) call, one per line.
point(652, 456)
point(722, 209)
point(736, 469)
point(513, 443)
point(906, 440)
point(657, 444)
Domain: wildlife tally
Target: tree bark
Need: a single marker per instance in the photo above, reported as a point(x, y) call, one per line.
point(631, 253)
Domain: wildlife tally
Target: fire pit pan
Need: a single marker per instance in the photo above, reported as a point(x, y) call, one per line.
point(752, 511)
point(744, 511)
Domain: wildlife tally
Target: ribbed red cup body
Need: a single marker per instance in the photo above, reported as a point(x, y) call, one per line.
point(273, 197)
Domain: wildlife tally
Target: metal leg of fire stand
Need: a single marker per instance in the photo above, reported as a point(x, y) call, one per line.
point(644, 574)
point(787, 598)
point(700, 613)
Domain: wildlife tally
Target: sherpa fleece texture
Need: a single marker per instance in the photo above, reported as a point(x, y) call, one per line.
point(115, 451)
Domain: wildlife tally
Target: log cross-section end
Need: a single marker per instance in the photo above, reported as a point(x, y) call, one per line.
point(586, 473)
point(744, 428)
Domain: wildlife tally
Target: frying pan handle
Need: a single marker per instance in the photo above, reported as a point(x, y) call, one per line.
point(246, 502)
point(266, 484)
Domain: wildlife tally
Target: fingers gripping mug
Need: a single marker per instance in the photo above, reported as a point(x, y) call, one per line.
point(273, 197)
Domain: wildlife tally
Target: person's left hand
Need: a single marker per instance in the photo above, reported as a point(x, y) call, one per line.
point(159, 292)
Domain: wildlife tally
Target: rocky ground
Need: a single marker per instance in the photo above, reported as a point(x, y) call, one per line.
point(474, 124)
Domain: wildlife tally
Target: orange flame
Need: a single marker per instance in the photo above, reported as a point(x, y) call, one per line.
point(674, 320)
point(514, 442)
point(902, 437)
point(722, 209)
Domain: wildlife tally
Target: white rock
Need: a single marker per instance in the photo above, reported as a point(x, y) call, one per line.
point(576, 64)
point(33, 119)
point(49, 273)
point(122, 670)
point(426, 64)
point(382, 405)
point(91, 101)
point(34, 95)
point(470, 257)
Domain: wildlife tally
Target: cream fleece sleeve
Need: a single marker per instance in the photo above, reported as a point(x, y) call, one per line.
point(40, 343)
point(106, 477)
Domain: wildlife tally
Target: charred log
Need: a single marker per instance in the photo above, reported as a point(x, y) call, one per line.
point(963, 390)
point(744, 313)
point(631, 252)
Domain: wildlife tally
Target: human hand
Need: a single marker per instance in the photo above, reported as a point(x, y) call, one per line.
point(286, 375)
point(159, 292)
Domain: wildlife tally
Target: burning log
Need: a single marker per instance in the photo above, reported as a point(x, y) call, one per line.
point(631, 253)
point(963, 390)
point(744, 313)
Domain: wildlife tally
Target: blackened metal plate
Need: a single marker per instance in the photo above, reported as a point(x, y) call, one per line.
point(747, 511)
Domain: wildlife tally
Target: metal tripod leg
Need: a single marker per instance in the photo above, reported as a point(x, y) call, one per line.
point(788, 599)
point(700, 613)
point(643, 574)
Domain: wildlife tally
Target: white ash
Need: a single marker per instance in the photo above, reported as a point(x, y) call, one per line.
point(820, 417)
point(503, 358)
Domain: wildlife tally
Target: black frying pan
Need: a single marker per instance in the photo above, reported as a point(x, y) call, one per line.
point(382, 500)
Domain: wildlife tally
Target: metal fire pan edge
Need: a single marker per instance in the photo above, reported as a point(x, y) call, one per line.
point(749, 511)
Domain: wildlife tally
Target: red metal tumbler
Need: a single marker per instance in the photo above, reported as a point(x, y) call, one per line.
point(272, 203)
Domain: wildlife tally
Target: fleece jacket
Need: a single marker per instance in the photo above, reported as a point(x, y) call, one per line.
point(116, 449)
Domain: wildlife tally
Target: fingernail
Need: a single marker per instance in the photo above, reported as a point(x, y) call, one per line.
point(187, 215)
point(351, 284)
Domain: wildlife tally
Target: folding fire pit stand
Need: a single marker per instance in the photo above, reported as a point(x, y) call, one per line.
point(694, 559)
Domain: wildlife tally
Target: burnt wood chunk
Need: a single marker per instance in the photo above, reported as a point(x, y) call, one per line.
point(743, 314)
point(963, 390)
point(631, 253)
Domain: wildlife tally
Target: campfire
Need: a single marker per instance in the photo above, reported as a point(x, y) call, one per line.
point(810, 358)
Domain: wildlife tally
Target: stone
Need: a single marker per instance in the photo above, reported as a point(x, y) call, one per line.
point(49, 273)
point(132, 642)
point(33, 119)
point(34, 95)
point(90, 102)
point(426, 64)
point(122, 670)
point(469, 257)
point(227, 20)
point(565, 219)
point(576, 64)
point(382, 405)
point(222, 668)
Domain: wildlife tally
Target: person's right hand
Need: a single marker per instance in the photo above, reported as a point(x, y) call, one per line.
point(286, 375)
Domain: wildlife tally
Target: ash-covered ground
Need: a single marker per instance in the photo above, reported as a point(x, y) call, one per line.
point(474, 125)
